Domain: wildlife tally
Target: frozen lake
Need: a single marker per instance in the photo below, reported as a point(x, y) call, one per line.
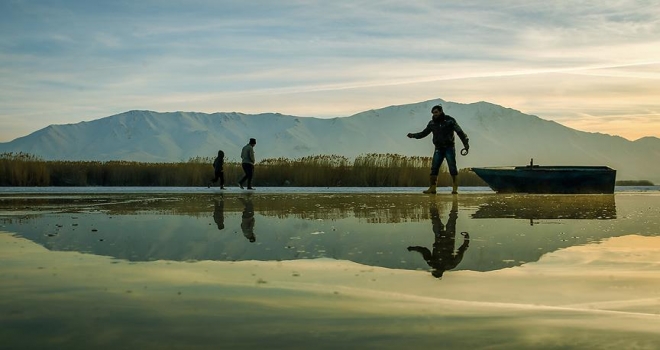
point(186, 268)
point(233, 189)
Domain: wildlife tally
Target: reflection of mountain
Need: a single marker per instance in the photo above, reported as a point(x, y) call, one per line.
point(367, 229)
point(548, 207)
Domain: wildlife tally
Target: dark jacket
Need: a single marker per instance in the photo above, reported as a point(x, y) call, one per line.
point(218, 164)
point(443, 132)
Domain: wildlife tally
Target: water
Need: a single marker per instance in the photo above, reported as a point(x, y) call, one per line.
point(328, 268)
point(288, 190)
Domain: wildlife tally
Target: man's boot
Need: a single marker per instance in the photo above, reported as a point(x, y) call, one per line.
point(432, 180)
point(454, 185)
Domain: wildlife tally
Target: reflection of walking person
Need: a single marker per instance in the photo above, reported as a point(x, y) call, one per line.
point(247, 162)
point(219, 213)
point(443, 257)
point(218, 170)
point(247, 222)
point(443, 127)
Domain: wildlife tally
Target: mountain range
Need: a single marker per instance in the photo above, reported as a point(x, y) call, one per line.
point(498, 136)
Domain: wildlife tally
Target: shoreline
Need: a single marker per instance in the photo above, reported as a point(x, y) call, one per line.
point(273, 190)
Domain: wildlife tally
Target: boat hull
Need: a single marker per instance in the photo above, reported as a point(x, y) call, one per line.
point(549, 179)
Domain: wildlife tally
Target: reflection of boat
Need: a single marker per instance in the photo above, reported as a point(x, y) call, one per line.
point(549, 179)
point(548, 207)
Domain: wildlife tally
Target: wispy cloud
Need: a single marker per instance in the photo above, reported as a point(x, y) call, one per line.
point(347, 56)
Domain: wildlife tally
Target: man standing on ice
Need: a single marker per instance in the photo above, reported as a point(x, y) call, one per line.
point(443, 128)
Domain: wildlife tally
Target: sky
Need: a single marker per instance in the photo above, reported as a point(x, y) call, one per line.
point(590, 65)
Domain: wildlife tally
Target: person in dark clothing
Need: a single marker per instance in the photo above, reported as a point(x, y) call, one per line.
point(247, 219)
point(247, 162)
point(443, 128)
point(218, 164)
point(443, 257)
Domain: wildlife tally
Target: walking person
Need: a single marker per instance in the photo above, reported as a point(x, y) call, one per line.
point(219, 173)
point(247, 162)
point(443, 128)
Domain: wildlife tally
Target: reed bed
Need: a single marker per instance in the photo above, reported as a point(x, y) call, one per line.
point(368, 170)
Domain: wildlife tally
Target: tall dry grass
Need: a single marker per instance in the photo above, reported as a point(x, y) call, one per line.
point(369, 170)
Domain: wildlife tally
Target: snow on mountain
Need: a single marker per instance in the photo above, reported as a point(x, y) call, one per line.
point(498, 136)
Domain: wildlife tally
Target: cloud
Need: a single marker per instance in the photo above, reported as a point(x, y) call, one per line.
point(116, 56)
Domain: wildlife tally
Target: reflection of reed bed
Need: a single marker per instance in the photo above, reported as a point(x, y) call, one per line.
point(58, 202)
point(549, 207)
point(372, 216)
point(371, 170)
point(393, 216)
point(17, 218)
point(373, 208)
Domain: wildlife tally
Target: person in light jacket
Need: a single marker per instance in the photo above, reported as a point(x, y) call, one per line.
point(247, 162)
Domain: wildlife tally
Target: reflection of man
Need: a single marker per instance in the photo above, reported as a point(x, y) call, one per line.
point(219, 213)
point(247, 223)
point(443, 257)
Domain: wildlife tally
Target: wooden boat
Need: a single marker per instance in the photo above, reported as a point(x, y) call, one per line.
point(549, 179)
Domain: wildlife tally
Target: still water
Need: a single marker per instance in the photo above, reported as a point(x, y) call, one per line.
point(328, 270)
